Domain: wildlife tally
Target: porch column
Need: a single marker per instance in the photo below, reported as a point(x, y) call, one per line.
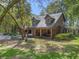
point(51, 33)
point(34, 32)
point(40, 32)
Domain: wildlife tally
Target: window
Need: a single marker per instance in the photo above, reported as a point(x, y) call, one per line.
point(52, 20)
point(49, 21)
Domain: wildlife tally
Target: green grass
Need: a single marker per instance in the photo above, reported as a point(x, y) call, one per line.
point(66, 36)
point(76, 39)
point(68, 54)
point(69, 50)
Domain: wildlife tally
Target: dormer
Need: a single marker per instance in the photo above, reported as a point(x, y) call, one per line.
point(35, 21)
point(49, 19)
point(47, 16)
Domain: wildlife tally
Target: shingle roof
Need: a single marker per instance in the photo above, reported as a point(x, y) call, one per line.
point(42, 22)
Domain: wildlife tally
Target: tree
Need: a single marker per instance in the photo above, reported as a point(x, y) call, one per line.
point(53, 7)
point(72, 11)
point(23, 10)
point(7, 9)
point(24, 16)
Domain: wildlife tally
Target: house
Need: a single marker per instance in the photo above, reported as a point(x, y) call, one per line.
point(47, 26)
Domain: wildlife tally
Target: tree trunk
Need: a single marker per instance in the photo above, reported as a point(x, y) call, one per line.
point(23, 34)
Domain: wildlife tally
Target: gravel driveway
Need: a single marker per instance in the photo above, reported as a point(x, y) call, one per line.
point(7, 37)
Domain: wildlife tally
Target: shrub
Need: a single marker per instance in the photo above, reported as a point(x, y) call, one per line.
point(64, 36)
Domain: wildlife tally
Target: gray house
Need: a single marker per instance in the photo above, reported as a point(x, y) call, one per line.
point(47, 25)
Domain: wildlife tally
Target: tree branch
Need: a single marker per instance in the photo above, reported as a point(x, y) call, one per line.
point(11, 16)
point(7, 9)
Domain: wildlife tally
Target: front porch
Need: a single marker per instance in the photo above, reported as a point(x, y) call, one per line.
point(43, 32)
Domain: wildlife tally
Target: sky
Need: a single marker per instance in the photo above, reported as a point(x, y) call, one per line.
point(36, 8)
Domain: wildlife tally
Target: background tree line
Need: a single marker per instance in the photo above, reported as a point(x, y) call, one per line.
point(16, 14)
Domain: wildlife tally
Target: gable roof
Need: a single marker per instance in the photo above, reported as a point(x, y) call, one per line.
point(42, 20)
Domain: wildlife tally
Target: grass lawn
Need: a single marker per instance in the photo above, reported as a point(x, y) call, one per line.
point(36, 48)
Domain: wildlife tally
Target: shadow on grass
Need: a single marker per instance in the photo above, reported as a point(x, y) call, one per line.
point(53, 52)
point(11, 53)
point(69, 52)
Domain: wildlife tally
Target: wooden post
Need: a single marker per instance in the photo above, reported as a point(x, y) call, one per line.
point(40, 32)
point(51, 33)
point(34, 32)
